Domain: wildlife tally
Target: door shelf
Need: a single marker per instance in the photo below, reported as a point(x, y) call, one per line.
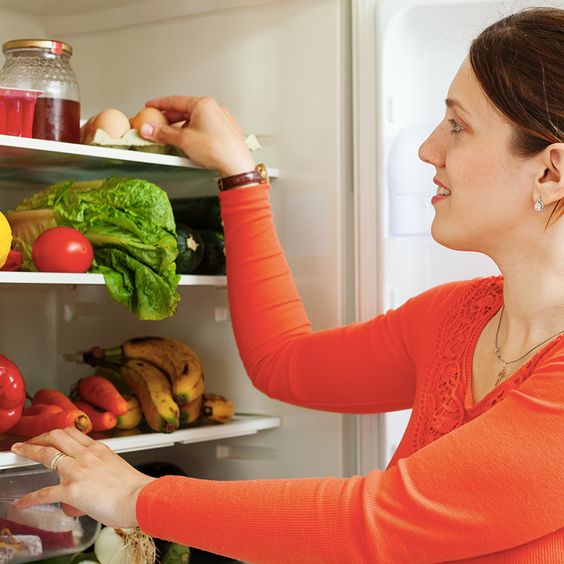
point(39, 163)
point(96, 279)
point(241, 425)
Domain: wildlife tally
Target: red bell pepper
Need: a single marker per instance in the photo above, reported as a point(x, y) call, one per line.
point(13, 262)
point(12, 394)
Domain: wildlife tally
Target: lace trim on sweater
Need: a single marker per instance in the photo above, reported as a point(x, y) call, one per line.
point(447, 387)
point(443, 391)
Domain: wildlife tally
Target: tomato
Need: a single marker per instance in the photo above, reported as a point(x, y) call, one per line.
point(62, 249)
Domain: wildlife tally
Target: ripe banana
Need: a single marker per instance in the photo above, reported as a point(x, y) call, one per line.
point(217, 408)
point(175, 358)
point(133, 416)
point(152, 389)
point(190, 412)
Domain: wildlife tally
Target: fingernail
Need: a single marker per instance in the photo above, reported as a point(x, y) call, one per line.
point(147, 129)
point(16, 445)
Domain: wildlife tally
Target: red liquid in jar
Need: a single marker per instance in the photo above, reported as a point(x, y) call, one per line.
point(57, 120)
point(16, 115)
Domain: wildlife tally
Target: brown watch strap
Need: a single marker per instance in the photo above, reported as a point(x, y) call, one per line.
point(257, 176)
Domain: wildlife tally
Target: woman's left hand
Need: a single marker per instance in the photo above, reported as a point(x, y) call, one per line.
point(93, 479)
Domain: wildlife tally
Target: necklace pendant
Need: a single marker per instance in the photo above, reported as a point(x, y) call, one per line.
point(501, 375)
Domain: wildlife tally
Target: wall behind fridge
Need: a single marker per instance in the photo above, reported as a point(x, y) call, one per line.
point(281, 67)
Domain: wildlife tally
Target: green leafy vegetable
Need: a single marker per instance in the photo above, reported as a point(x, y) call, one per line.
point(130, 224)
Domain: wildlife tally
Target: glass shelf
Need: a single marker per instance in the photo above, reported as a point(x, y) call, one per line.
point(96, 279)
point(38, 163)
point(241, 425)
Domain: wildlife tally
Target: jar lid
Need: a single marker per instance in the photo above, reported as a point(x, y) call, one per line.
point(51, 45)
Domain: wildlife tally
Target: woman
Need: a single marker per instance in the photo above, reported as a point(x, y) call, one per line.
point(479, 474)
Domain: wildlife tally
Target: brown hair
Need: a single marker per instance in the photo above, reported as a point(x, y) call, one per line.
point(519, 62)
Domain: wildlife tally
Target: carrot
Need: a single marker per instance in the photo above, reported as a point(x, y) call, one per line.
point(40, 408)
point(52, 396)
point(101, 420)
point(102, 393)
point(32, 425)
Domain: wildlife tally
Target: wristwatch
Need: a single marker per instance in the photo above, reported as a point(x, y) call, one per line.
point(257, 176)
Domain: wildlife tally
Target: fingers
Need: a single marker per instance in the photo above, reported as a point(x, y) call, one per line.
point(175, 117)
point(162, 133)
point(183, 104)
point(69, 441)
point(43, 448)
point(178, 108)
point(51, 494)
point(80, 437)
point(41, 454)
point(72, 511)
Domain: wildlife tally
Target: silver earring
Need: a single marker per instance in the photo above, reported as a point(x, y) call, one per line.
point(539, 206)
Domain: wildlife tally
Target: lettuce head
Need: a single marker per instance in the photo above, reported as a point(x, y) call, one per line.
point(130, 224)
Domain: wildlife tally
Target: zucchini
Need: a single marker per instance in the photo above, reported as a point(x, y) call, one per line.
point(202, 212)
point(214, 253)
point(190, 249)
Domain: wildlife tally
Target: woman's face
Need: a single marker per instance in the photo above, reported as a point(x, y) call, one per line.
point(484, 192)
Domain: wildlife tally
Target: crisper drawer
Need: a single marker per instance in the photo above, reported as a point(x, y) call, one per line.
point(40, 531)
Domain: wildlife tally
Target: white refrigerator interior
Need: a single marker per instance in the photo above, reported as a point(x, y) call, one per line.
point(281, 68)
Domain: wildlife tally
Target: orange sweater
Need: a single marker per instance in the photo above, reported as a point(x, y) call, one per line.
point(474, 482)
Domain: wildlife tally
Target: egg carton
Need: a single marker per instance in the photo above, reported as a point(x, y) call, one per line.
point(131, 140)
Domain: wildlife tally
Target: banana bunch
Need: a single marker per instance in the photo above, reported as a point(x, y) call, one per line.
point(167, 378)
point(166, 375)
point(176, 359)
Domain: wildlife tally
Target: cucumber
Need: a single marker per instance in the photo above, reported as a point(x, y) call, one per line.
point(214, 253)
point(202, 212)
point(191, 249)
point(176, 554)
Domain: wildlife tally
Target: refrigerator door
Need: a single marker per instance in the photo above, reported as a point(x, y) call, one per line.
point(415, 48)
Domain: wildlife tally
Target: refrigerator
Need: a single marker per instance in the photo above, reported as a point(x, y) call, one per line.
point(339, 93)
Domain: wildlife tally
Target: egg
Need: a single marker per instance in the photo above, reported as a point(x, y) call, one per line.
point(112, 121)
point(148, 115)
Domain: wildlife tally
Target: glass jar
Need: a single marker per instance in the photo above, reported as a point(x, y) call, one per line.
point(44, 64)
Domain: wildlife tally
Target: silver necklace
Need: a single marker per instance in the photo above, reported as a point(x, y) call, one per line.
point(503, 372)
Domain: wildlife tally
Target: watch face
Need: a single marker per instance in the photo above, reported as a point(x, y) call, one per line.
point(263, 173)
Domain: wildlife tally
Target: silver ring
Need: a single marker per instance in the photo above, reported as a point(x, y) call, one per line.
point(55, 461)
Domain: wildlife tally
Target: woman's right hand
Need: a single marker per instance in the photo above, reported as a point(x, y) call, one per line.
point(210, 136)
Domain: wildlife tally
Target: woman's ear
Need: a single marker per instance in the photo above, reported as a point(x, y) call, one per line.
point(549, 182)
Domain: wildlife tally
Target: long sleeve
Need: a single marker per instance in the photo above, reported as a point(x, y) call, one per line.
point(495, 483)
point(361, 368)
